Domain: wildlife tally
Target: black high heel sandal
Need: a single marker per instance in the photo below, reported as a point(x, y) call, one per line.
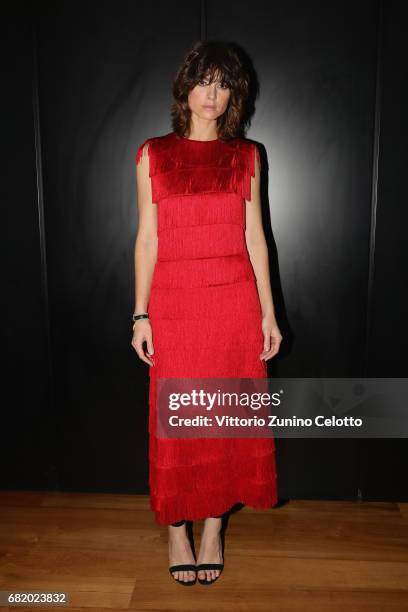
point(207, 566)
point(184, 567)
point(204, 566)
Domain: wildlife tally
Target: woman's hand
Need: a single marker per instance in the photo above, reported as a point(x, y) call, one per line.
point(272, 337)
point(142, 332)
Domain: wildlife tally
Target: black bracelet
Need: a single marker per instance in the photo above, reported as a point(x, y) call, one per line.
point(140, 316)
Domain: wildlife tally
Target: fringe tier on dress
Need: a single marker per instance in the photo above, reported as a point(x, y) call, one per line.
point(206, 320)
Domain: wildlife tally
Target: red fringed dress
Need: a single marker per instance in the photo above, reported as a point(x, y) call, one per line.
point(205, 314)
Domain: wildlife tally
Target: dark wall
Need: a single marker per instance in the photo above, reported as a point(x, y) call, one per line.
point(85, 88)
point(28, 412)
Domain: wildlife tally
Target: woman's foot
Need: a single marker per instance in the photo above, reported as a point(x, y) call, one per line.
point(180, 552)
point(210, 548)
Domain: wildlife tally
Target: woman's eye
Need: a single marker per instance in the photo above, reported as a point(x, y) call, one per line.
point(203, 83)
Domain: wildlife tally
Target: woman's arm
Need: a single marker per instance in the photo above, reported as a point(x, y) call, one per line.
point(145, 255)
point(258, 254)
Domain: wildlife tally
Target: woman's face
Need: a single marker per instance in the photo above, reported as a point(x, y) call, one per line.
point(209, 100)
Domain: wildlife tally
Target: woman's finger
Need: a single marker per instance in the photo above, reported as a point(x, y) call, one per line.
point(275, 344)
point(137, 344)
point(150, 348)
point(267, 341)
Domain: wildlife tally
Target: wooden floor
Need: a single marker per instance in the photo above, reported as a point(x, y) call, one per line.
point(107, 552)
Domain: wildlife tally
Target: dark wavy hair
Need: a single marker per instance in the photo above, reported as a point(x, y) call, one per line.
point(212, 59)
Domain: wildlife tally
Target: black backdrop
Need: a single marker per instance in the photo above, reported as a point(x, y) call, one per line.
point(83, 85)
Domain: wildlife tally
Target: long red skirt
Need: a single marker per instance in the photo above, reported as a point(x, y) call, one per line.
point(207, 332)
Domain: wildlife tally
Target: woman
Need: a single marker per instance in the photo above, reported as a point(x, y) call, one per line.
point(203, 298)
